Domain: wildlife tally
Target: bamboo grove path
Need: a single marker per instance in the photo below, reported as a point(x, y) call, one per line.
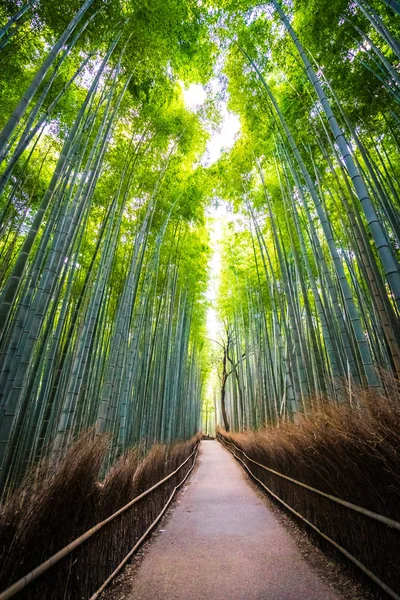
point(223, 542)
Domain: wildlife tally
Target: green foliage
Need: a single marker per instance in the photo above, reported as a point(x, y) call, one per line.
point(104, 246)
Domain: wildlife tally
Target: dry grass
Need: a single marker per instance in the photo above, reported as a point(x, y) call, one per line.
point(349, 452)
point(53, 506)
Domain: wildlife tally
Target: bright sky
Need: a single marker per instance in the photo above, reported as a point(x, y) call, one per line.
point(194, 97)
point(230, 127)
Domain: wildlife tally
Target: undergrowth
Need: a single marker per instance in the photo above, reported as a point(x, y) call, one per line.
point(351, 451)
point(53, 506)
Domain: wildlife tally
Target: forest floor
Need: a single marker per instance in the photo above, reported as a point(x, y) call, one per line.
point(224, 539)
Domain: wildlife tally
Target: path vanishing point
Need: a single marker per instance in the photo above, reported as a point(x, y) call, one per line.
point(222, 542)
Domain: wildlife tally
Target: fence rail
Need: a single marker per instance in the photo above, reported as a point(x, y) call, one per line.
point(22, 583)
point(381, 518)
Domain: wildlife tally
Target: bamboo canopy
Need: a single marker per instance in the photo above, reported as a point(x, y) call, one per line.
point(105, 189)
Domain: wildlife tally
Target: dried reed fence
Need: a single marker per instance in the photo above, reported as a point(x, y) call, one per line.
point(351, 452)
point(53, 507)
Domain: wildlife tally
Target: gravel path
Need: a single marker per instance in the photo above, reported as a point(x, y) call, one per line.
point(223, 543)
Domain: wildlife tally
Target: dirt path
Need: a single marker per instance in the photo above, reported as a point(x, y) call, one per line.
point(223, 543)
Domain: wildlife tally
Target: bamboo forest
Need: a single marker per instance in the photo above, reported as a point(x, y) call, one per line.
point(199, 231)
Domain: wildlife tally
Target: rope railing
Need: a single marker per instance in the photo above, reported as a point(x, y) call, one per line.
point(146, 533)
point(371, 514)
point(22, 583)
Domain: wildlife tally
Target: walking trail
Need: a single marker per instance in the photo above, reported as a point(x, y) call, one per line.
point(223, 543)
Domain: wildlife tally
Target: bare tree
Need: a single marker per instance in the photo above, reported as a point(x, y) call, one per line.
point(229, 366)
